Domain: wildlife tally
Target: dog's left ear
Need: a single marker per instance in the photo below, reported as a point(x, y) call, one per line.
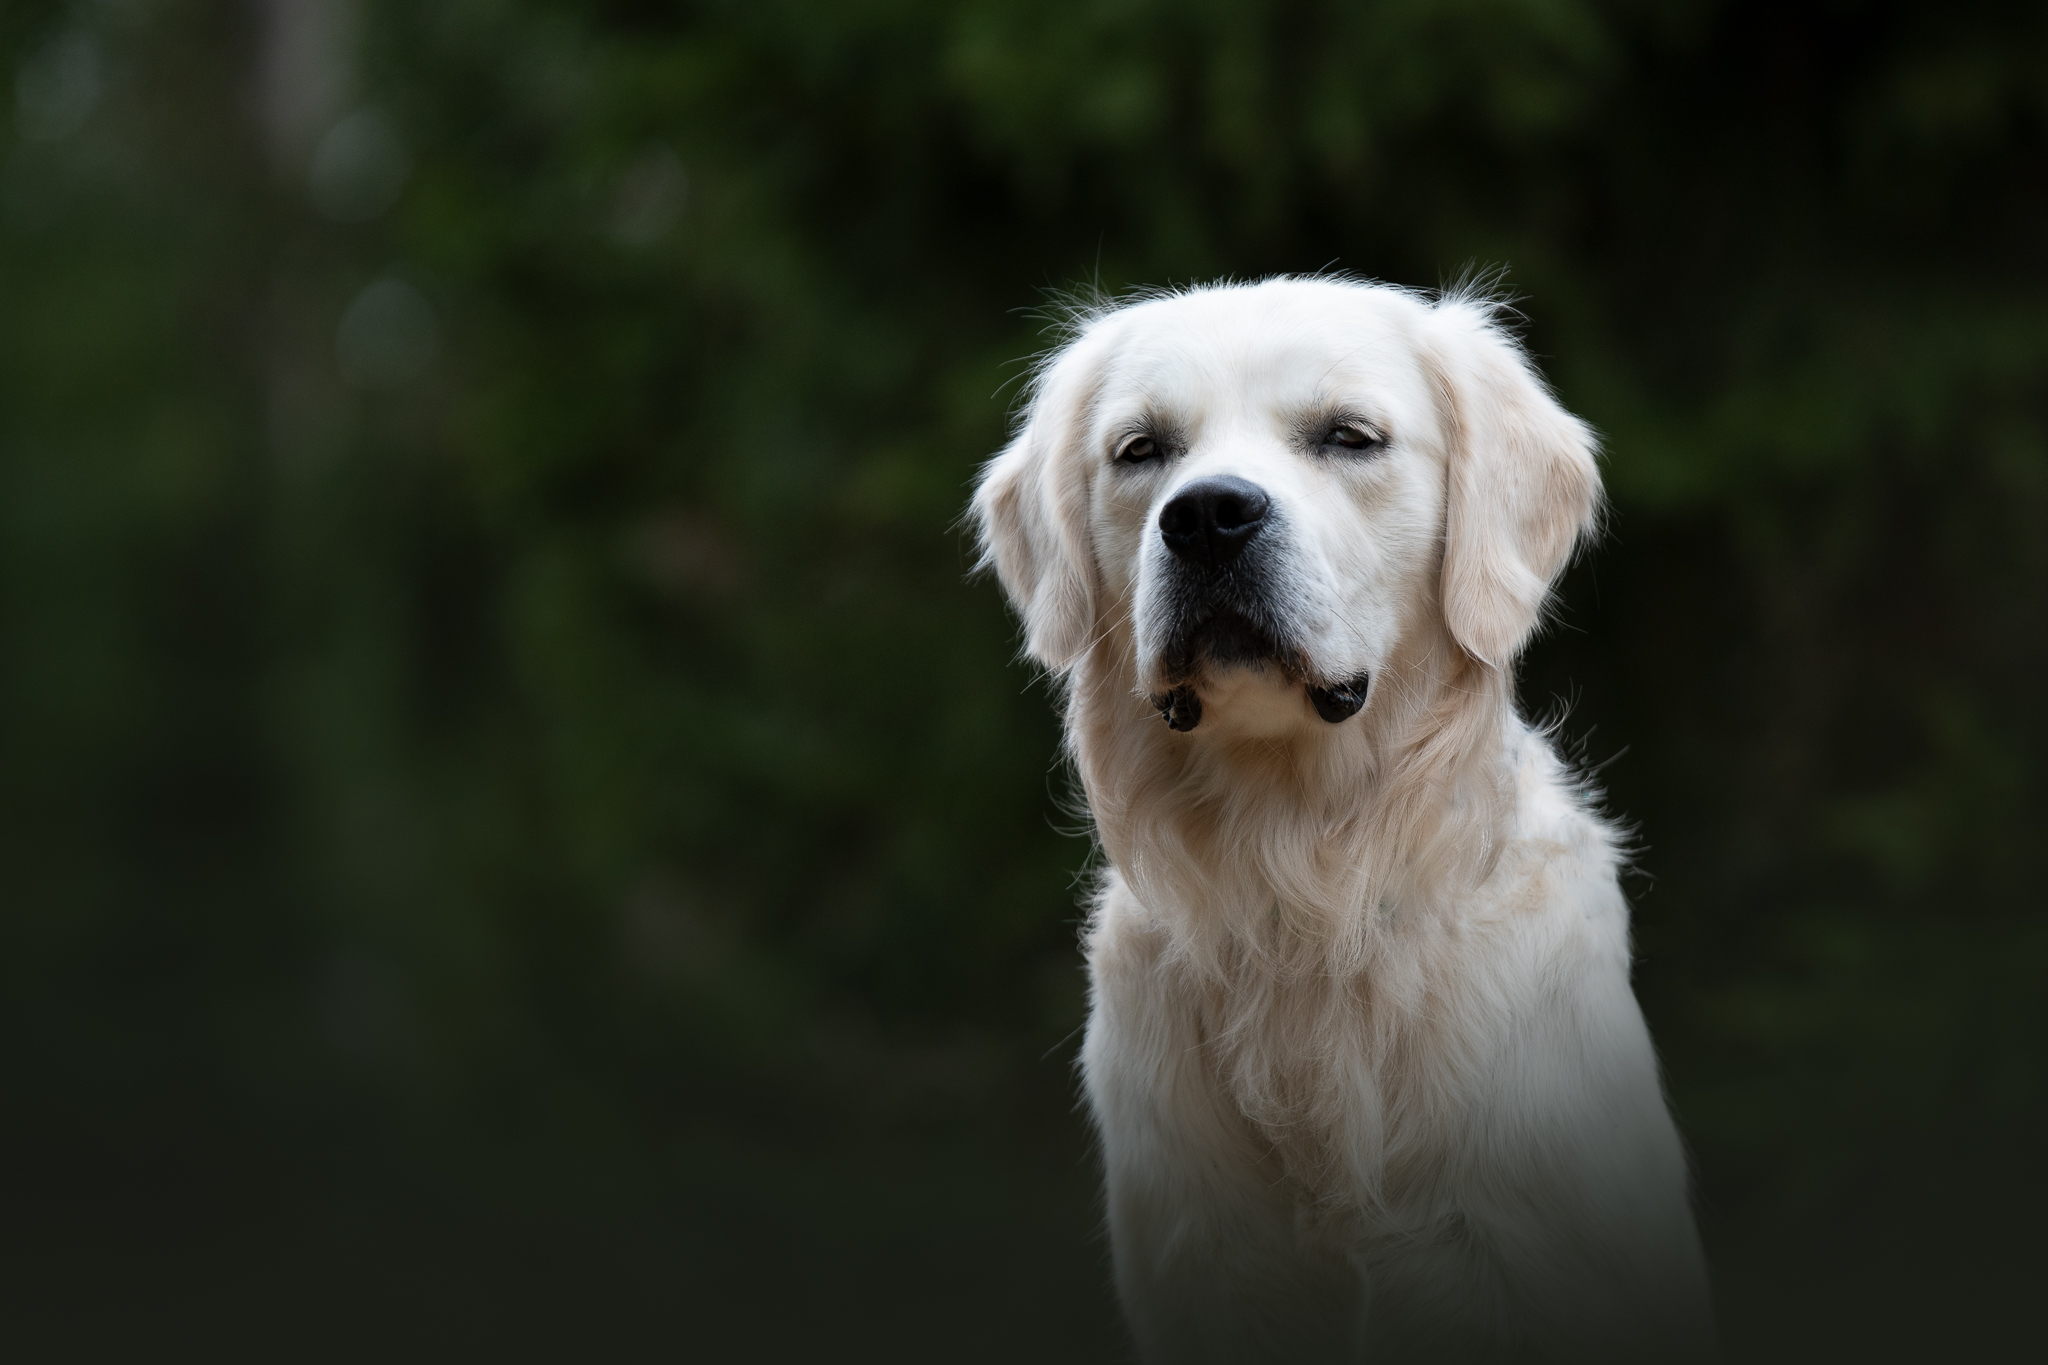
point(1522, 485)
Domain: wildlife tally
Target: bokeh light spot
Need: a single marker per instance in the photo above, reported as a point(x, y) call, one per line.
point(57, 87)
point(359, 168)
point(388, 336)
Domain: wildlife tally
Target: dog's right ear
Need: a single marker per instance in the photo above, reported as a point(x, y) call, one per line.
point(1030, 510)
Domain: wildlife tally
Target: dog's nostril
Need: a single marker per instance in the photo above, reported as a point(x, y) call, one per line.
point(1212, 519)
point(1234, 509)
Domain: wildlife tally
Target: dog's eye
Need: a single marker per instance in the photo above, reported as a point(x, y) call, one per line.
point(1138, 450)
point(1353, 436)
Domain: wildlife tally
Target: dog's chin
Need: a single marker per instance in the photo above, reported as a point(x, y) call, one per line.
point(1229, 677)
point(1252, 701)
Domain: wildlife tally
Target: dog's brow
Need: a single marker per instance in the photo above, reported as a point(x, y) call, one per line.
point(1340, 360)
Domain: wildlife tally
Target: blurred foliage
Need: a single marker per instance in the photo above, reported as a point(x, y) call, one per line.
point(485, 660)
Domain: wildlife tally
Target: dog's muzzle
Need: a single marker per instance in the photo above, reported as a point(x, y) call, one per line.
point(1223, 614)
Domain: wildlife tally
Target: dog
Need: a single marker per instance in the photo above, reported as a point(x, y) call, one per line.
point(1369, 1077)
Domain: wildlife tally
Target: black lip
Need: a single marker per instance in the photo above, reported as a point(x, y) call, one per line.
point(1181, 708)
point(1340, 701)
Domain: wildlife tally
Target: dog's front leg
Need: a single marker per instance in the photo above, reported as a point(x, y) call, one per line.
point(1210, 1261)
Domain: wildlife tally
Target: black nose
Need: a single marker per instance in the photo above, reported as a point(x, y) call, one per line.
point(1212, 520)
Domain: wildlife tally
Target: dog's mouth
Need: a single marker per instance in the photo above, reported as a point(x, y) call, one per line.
point(1231, 640)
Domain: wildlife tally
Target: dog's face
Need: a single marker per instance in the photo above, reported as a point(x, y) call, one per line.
point(1267, 500)
point(1267, 489)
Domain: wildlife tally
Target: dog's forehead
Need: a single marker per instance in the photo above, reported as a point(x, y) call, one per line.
point(1265, 346)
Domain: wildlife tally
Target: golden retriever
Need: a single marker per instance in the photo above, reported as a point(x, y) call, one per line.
point(1369, 1076)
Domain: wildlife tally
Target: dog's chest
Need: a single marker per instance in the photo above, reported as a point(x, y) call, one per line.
point(1339, 1092)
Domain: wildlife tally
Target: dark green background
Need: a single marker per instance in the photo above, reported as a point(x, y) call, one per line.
point(550, 858)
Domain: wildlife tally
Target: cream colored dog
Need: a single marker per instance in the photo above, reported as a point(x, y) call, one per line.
point(1370, 1079)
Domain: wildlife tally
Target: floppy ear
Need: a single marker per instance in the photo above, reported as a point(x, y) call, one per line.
point(1522, 484)
point(1031, 511)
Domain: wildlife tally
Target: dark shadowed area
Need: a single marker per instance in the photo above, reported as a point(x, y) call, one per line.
point(518, 838)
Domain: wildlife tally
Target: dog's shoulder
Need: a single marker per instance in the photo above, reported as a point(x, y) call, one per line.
point(1560, 858)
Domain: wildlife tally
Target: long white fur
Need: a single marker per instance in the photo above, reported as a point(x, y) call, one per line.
point(1369, 1075)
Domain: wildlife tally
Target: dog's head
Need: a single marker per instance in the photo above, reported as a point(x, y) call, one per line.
point(1257, 493)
